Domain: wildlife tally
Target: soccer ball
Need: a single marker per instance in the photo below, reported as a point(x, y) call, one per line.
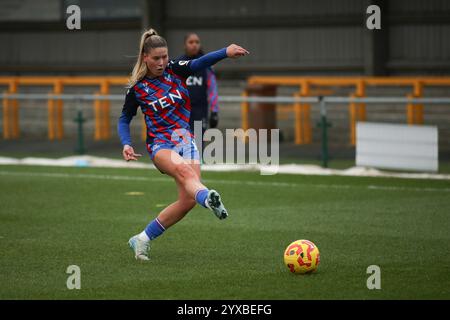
point(302, 256)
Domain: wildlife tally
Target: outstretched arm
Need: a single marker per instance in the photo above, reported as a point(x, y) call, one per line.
point(211, 58)
point(207, 60)
point(188, 67)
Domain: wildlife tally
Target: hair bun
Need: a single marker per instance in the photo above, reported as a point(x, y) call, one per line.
point(151, 32)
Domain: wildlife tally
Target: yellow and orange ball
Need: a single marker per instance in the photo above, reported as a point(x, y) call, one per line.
point(302, 256)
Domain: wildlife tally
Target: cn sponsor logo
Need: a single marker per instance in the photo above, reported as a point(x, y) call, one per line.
point(194, 81)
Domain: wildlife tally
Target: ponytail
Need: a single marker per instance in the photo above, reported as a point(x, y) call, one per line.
point(149, 40)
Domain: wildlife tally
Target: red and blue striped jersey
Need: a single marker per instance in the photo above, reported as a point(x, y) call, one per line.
point(164, 101)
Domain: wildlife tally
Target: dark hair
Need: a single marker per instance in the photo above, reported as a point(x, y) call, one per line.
point(187, 35)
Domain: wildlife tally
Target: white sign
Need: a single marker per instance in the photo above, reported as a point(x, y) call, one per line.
point(397, 146)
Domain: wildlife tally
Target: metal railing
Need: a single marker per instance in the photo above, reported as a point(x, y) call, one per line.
point(245, 101)
point(236, 99)
point(359, 85)
point(308, 88)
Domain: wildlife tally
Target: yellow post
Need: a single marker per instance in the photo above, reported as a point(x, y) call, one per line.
point(15, 131)
point(6, 119)
point(298, 120)
point(51, 118)
point(106, 125)
point(244, 111)
point(357, 110)
point(98, 121)
point(418, 93)
point(245, 107)
point(307, 123)
point(303, 130)
point(414, 112)
point(306, 110)
point(58, 89)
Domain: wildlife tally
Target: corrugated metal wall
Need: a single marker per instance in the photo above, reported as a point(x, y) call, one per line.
point(261, 8)
point(416, 39)
point(283, 49)
point(418, 6)
point(284, 36)
point(98, 50)
point(274, 45)
point(39, 42)
point(416, 46)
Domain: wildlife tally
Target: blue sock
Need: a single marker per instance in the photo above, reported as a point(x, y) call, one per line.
point(201, 196)
point(154, 229)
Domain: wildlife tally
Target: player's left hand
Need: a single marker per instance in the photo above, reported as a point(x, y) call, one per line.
point(235, 51)
point(213, 120)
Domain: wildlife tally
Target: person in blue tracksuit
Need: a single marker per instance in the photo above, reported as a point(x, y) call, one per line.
point(202, 86)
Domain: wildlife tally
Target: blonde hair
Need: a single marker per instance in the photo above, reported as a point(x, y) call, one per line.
point(149, 40)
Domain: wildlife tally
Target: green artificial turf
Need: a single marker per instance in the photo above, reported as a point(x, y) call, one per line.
point(52, 217)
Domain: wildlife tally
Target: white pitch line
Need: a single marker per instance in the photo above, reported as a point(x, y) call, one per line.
point(219, 181)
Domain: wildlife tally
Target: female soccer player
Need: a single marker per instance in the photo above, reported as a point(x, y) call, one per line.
point(158, 87)
point(202, 87)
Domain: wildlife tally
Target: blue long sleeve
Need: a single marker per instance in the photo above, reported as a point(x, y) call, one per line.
point(208, 60)
point(123, 128)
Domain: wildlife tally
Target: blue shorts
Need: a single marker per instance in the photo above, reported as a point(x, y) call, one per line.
point(187, 150)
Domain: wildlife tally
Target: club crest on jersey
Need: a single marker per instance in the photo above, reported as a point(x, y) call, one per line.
point(154, 147)
point(166, 101)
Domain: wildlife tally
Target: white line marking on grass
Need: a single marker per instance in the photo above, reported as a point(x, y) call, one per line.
point(219, 181)
point(82, 175)
point(134, 193)
point(409, 189)
point(296, 169)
